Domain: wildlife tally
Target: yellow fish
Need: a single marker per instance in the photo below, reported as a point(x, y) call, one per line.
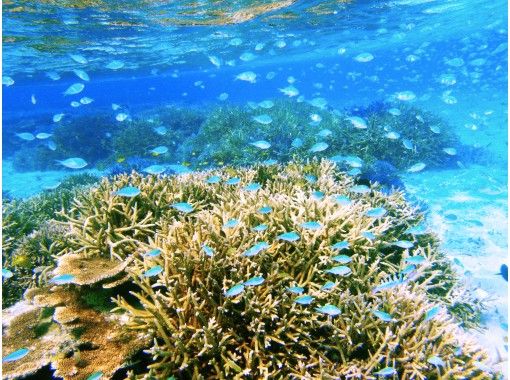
point(121, 159)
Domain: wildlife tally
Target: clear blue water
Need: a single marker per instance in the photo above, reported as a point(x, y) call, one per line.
point(449, 57)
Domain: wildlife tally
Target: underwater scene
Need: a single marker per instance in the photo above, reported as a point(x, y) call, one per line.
point(254, 189)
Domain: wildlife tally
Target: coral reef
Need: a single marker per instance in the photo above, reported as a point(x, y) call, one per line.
point(273, 271)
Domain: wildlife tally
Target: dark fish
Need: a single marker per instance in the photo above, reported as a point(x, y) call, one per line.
point(503, 271)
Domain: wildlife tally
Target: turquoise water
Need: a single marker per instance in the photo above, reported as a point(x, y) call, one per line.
point(104, 88)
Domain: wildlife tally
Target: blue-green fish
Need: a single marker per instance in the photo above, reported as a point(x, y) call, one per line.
point(260, 228)
point(27, 136)
point(254, 281)
point(62, 279)
point(154, 271)
point(357, 122)
point(289, 236)
point(432, 313)
point(263, 119)
point(415, 259)
point(388, 371)
point(354, 172)
point(213, 179)
point(153, 252)
point(73, 163)
point(233, 181)
point(407, 144)
point(416, 230)
point(329, 309)
point(6, 273)
point(340, 245)
point(184, 207)
point(231, 223)
point(267, 104)
point(383, 316)
point(368, 235)
point(342, 259)
point(310, 178)
point(261, 144)
point(297, 143)
point(304, 299)
point(328, 286)
point(253, 187)
point(159, 150)
point(360, 189)
point(128, 191)
point(319, 147)
point(234, 290)
point(408, 269)
point(318, 195)
point(81, 74)
point(270, 161)
point(295, 289)
point(342, 200)
point(256, 249)
point(74, 89)
point(417, 167)
point(7, 81)
point(436, 360)
point(78, 58)
point(377, 212)
point(406, 244)
point(311, 225)
point(154, 169)
point(95, 376)
point(265, 210)
point(16, 355)
point(339, 270)
point(115, 65)
point(208, 250)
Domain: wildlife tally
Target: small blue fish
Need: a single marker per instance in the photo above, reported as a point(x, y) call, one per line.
point(184, 207)
point(432, 313)
point(296, 143)
point(377, 212)
point(310, 178)
point(254, 281)
point(74, 89)
point(388, 371)
point(436, 360)
point(265, 210)
point(6, 273)
point(408, 269)
point(342, 259)
point(342, 200)
point(260, 228)
point(319, 147)
point(154, 169)
point(368, 235)
point(261, 144)
point(318, 195)
point(234, 290)
point(253, 187)
point(212, 180)
point(73, 163)
point(270, 161)
point(263, 119)
point(383, 316)
point(233, 181)
point(295, 289)
point(154, 271)
point(208, 250)
point(231, 223)
point(360, 189)
point(289, 236)
point(329, 309)
point(128, 191)
point(456, 261)
point(340, 245)
point(95, 376)
point(256, 249)
point(339, 270)
point(416, 230)
point(415, 259)
point(354, 172)
point(62, 279)
point(16, 355)
point(311, 225)
point(406, 244)
point(328, 286)
point(304, 299)
point(153, 253)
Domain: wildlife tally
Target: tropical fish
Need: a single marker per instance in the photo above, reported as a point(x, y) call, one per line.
point(432, 313)
point(81, 74)
point(340, 245)
point(128, 191)
point(388, 371)
point(235, 41)
point(289, 236)
point(360, 189)
point(342, 259)
point(435, 129)
point(405, 96)
point(74, 89)
point(7, 81)
point(234, 290)
point(33, 99)
point(325, 133)
point(304, 299)
point(6, 273)
point(415, 259)
point(295, 289)
point(383, 316)
point(159, 150)
point(357, 122)
point(233, 181)
point(254, 281)
point(436, 360)
point(263, 119)
point(73, 163)
point(53, 75)
point(75, 104)
point(256, 249)
point(416, 230)
point(406, 244)
point(184, 207)
point(254, 186)
point(16, 355)
point(260, 228)
point(265, 210)
point(153, 252)
point(310, 178)
point(311, 225)
point(328, 286)
point(329, 309)
point(57, 117)
point(290, 91)
point(450, 151)
point(297, 143)
point(154, 169)
point(319, 147)
point(231, 223)
point(95, 376)
point(341, 200)
point(319, 103)
point(318, 195)
point(26, 136)
point(392, 135)
point(503, 271)
point(115, 65)
point(247, 56)
point(416, 167)
point(62, 279)
point(261, 144)
point(121, 116)
point(364, 57)
point(86, 100)
point(51, 145)
point(407, 144)
point(223, 96)
point(215, 60)
point(395, 111)
point(267, 104)
point(340, 270)
point(213, 180)
point(154, 271)
point(78, 58)
point(377, 212)
point(247, 76)
point(368, 235)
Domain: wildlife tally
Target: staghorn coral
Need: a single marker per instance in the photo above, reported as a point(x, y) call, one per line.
point(183, 315)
